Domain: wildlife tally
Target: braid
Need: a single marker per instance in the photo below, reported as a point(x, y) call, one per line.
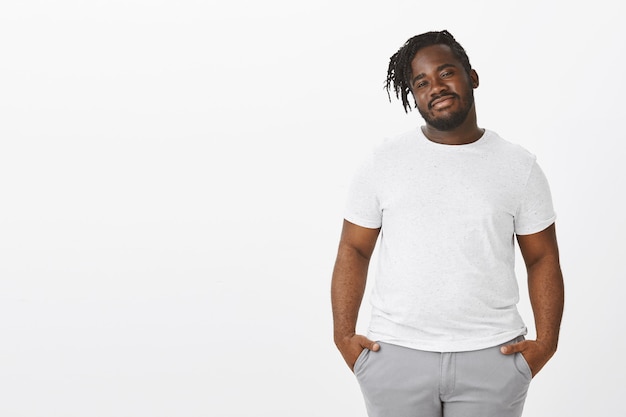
point(399, 70)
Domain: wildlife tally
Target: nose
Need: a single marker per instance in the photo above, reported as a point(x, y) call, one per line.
point(437, 87)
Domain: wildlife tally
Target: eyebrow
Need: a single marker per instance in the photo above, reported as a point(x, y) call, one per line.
point(439, 68)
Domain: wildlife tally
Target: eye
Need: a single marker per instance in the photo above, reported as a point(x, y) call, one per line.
point(446, 74)
point(420, 84)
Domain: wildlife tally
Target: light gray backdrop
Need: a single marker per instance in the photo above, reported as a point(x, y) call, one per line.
point(172, 177)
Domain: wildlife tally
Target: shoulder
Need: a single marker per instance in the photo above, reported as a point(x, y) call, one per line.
point(397, 144)
point(505, 145)
point(508, 151)
point(384, 155)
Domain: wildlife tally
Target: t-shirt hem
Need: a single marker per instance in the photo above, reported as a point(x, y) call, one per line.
point(454, 346)
point(464, 345)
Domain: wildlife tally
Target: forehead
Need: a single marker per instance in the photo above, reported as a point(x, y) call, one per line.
point(431, 57)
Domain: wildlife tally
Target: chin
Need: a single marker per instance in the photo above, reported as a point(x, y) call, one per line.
point(446, 124)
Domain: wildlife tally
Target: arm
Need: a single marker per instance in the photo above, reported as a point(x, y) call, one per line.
point(545, 287)
point(348, 285)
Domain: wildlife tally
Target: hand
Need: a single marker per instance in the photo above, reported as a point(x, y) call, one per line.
point(352, 346)
point(536, 353)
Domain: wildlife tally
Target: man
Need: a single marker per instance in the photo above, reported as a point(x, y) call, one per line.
point(447, 201)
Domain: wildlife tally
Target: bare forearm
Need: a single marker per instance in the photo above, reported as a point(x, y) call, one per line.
point(347, 288)
point(545, 286)
point(546, 290)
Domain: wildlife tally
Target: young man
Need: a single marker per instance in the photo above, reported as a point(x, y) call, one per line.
point(447, 199)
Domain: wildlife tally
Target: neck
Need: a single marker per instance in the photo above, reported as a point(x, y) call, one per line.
point(467, 132)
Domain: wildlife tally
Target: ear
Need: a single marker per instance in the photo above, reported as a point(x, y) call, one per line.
point(474, 77)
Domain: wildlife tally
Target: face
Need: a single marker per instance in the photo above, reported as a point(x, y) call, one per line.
point(442, 89)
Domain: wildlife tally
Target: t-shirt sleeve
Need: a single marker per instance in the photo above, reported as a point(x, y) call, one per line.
point(536, 211)
point(362, 203)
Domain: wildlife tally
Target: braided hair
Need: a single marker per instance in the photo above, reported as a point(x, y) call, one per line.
point(399, 71)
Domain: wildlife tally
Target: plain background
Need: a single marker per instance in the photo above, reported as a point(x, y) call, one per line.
point(172, 180)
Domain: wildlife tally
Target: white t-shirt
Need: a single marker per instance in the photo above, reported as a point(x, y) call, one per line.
point(445, 278)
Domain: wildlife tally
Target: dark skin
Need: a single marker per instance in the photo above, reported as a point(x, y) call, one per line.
point(441, 87)
point(545, 287)
point(348, 284)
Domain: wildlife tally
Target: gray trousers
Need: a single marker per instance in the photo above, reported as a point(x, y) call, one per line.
point(402, 382)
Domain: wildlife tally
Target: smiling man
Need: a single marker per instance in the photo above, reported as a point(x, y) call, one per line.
point(445, 203)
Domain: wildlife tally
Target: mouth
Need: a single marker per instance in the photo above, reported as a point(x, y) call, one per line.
point(441, 101)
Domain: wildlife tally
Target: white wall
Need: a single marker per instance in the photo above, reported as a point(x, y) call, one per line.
point(172, 177)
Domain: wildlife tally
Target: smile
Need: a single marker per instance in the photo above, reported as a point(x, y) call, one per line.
point(441, 102)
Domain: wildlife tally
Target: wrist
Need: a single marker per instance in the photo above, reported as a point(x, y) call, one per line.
point(343, 337)
point(549, 345)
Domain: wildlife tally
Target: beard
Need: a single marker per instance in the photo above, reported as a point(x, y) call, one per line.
point(452, 120)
